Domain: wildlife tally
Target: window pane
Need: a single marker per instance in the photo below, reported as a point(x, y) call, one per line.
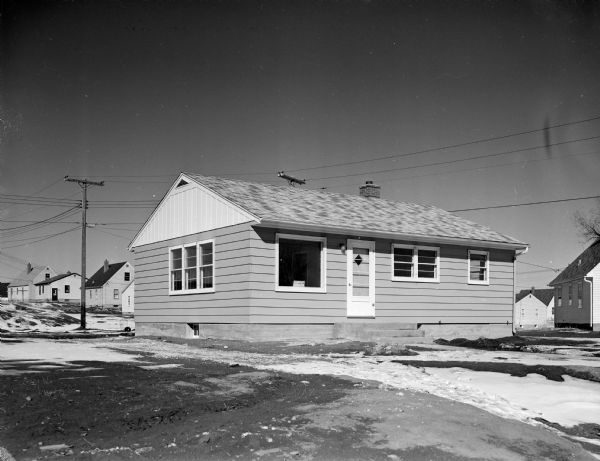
point(176, 282)
point(207, 253)
point(477, 274)
point(299, 263)
point(190, 256)
point(207, 277)
point(403, 255)
point(176, 258)
point(190, 279)
point(427, 272)
point(478, 263)
point(402, 270)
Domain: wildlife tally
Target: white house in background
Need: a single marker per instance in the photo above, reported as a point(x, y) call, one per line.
point(104, 288)
point(60, 288)
point(534, 309)
point(22, 288)
point(127, 299)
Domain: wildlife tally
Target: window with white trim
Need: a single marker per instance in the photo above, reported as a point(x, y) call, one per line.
point(116, 293)
point(558, 296)
point(479, 267)
point(570, 294)
point(300, 263)
point(579, 294)
point(415, 263)
point(191, 268)
point(67, 288)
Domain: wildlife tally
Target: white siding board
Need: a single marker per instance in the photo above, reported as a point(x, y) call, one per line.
point(189, 210)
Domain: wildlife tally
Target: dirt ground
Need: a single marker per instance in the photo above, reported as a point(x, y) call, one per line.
point(195, 409)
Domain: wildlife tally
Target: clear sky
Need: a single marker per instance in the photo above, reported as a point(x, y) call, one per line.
point(135, 92)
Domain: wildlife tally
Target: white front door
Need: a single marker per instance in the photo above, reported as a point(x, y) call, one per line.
point(360, 256)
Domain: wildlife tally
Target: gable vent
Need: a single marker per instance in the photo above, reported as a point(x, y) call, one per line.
point(183, 182)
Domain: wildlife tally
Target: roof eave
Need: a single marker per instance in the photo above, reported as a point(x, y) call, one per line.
point(392, 235)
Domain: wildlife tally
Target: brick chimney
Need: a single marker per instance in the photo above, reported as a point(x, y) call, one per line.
point(105, 265)
point(370, 190)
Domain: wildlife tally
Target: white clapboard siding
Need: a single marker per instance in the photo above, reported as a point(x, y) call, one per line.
point(187, 210)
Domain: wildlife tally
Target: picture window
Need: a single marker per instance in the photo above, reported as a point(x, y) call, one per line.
point(300, 263)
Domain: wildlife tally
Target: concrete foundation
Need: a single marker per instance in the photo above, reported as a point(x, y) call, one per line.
point(468, 331)
point(402, 333)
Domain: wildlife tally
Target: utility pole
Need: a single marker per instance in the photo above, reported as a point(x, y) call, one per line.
point(83, 183)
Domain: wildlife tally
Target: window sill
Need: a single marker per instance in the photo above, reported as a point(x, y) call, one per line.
point(301, 289)
point(191, 292)
point(407, 279)
point(475, 282)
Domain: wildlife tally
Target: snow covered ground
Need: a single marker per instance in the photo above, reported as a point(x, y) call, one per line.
point(568, 403)
point(44, 317)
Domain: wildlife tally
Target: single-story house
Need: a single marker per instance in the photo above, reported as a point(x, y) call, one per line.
point(577, 291)
point(534, 308)
point(229, 258)
point(60, 288)
point(104, 288)
point(127, 299)
point(22, 287)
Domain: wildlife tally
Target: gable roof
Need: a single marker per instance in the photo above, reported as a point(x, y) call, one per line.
point(545, 295)
point(303, 208)
point(100, 277)
point(25, 278)
point(55, 278)
point(581, 265)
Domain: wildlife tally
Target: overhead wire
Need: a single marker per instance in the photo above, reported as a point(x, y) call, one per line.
point(449, 146)
point(448, 162)
point(513, 205)
point(43, 239)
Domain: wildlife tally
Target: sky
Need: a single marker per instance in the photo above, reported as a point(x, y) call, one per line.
point(334, 92)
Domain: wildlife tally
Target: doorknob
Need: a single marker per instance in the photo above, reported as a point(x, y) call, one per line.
point(349, 284)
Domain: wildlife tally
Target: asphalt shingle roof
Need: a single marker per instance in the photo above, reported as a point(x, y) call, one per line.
point(24, 278)
point(55, 278)
point(545, 295)
point(296, 205)
point(100, 277)
point(590, 258)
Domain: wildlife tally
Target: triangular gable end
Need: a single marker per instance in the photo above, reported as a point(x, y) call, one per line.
point(188, 209)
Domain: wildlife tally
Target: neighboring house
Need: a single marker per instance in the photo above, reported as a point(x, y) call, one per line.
point(231, 258)
point(577, 291)
point(104, 288)
point(23, 288)
point(60, 288)
point(534, 308)
point(127, 299)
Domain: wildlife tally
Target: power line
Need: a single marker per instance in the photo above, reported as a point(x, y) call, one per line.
point(537, 265)
point(47, 220)
point(526, 204)
point(43, 239)
point(449, 146)
point(447, 162)
point(34, 227)
point(483, 167)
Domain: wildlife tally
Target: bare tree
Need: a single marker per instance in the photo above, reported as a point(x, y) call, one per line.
point(588, 224)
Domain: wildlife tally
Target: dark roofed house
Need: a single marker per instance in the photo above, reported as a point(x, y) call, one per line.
point(577, 291)
point(104, 288)
point(231, 258)
point(534, 308)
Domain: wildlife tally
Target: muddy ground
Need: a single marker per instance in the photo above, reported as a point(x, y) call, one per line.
point(207, 410)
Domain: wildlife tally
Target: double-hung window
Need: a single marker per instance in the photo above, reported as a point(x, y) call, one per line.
point(479, 267)
point(191, 268)
point(558, 296)
point(579, 294)
point(570, 291)
point(300, 263)
point(415, 263)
